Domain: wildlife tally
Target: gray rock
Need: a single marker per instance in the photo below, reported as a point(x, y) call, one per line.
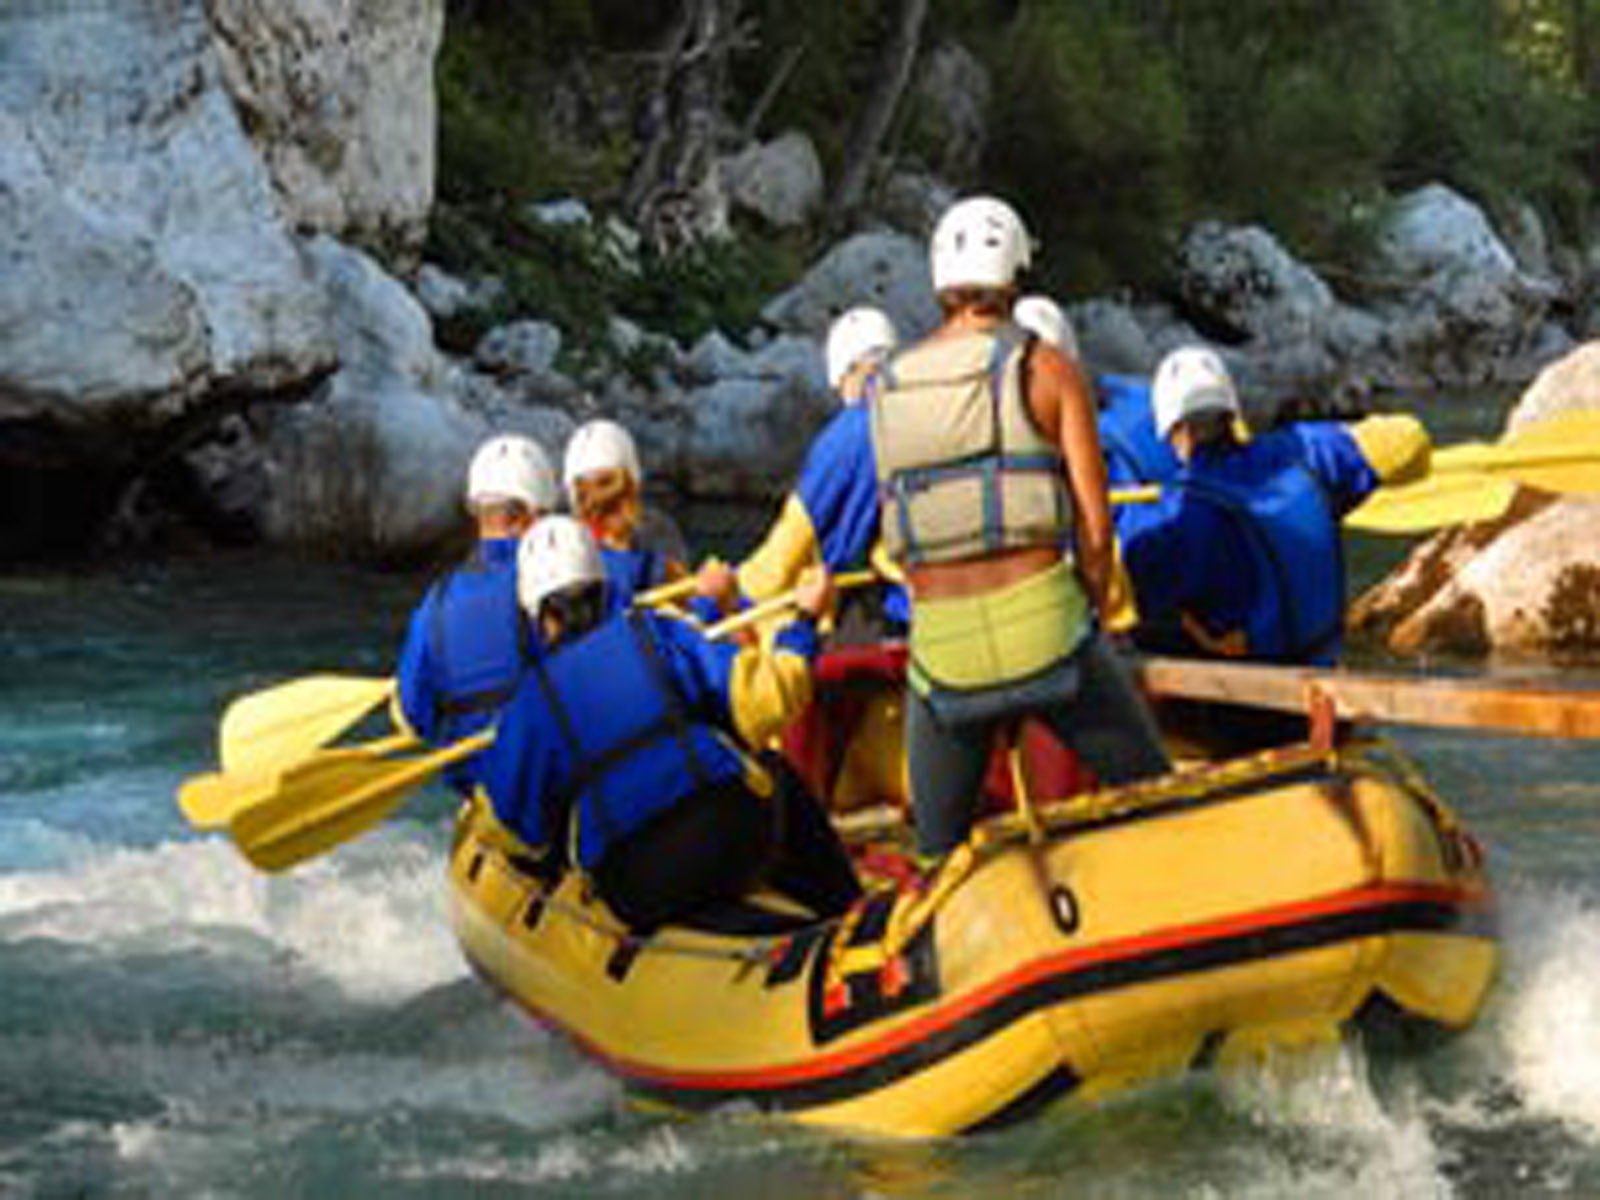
point(374, 467)
point(143, 236)
point(1243, 279)
point(889, 270)
point(780, 181)
point(715, 357)
point(1458, 308)
point(914, 202)
point(520, 348)
point(331, 93)
point(567, 211)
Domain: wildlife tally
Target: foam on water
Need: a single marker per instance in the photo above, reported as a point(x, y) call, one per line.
point(1550, 1024)
point(1331, 1133)
point(568, 1158)
point(371, 918)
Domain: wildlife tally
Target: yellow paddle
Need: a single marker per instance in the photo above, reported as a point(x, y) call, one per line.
point(1433, 503)
point(667, 593)
point(1557, 454)
point(280, 818)
point(332, 797)
point(212, 800)
point(757, 613)
point(283, 723)
point(286, 722)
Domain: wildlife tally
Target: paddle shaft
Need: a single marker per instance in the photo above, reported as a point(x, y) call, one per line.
point(1399, 699)
point(757, 613)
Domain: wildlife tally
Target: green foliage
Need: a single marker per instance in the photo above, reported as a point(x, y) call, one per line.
point(1115, 124)
point(578, 276)
point(492, 78)
point(1090, 137)
point(832, 74)
point(718, 284)
point(1120, 121)
point(1478, 114)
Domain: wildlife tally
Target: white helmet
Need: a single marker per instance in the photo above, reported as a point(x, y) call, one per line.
point(599, 446)
point(855, 335)
point(1189, 381)
point(1043, 316)
point(979, 242)
point(555, 554)
point(512, 467)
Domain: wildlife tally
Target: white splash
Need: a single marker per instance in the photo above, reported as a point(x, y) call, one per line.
point(1551, 1023)
point(371, 917)
point(1348, 1140)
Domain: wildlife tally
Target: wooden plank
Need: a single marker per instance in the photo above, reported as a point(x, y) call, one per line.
point(1446, 703)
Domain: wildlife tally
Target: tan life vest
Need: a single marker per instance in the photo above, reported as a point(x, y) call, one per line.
point(962, 469)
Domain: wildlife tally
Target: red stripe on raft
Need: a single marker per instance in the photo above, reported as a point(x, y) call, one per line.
point(840, 1061)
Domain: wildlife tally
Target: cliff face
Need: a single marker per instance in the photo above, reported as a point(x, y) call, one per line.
point(159, 160)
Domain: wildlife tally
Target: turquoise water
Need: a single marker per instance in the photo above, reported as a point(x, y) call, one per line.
point(174, 1025)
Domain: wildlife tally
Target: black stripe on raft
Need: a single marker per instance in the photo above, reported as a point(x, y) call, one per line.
point(1410, 916)
point(867, 996)
point(1031, 1103)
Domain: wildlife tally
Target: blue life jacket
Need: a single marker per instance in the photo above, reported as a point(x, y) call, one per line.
point(478, 639)
point(629, 572)
point(634, 748)
point(1290, 530)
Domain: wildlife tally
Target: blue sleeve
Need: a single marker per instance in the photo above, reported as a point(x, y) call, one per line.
point(838, 486)
point(702, 668)
point(799, 637)
point(1133, 451)
point(708, 612)
point(1334, 457)
point(414, 674)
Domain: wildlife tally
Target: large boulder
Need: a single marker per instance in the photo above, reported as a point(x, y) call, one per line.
point(1570, 384)
point(1528, 582)
point(373, 467)
point(729, 423)
point(329, 92)
point(1457, 306)
point(137, 205)
point(157, 164)
point(1243, 283)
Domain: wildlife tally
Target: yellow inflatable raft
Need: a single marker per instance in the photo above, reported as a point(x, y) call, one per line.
point(1078, 947)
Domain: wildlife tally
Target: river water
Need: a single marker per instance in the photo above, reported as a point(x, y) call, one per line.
point(174, 1025)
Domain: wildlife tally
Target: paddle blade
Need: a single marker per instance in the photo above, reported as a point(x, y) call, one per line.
point(1433, 503)
point(210, 801)
point(330, 798)
point(280, 725)
point(1557, 454)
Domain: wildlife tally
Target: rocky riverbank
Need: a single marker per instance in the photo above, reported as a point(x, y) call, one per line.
point(216, 321)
